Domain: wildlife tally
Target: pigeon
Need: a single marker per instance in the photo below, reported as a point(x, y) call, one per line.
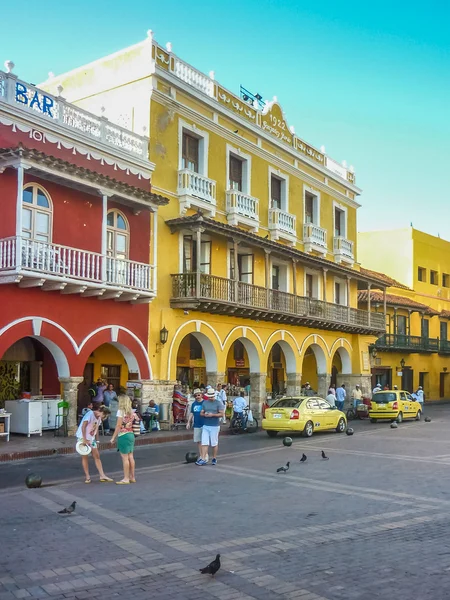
point(324, 456)
point(69, 510)
point(303, 458)
point(213, 566)
point(284, 469)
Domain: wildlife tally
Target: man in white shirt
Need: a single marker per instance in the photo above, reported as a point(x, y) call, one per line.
point(376, 389)
point(331, 398)
point(239, 404)
point(356, 395)
point(420, 396)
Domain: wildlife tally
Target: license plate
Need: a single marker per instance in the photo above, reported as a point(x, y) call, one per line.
point(277, 416)
point(382, 406)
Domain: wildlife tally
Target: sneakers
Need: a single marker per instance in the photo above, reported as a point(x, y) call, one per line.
point(214, 461)
point(200, 462)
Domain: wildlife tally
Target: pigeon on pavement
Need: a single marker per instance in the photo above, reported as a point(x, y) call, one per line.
point(69, 510)
point(303, 458)
point(213, 567)
point(324, 456)
point(284, 469)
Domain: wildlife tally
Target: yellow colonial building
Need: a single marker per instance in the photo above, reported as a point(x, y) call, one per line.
point(258, 274)
point(415, 350)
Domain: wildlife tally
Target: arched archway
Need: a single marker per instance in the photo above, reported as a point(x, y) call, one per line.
point(314, 368)
point(282, 375)
point(341, 366)
point(196, 357)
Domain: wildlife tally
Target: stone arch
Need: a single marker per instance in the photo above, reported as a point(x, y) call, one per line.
point(346, 360)
point(288, 346)
point(315, 367)
point(252, 344)
point(207, 337)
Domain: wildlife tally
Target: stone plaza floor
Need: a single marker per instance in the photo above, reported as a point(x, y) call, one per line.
point(371, 522)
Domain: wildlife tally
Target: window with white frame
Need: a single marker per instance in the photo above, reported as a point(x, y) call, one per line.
point(245, 263)
point(117, 235)
point(312, 285)
point(238, 170)
point(193, 149)
point(339, 222)
point(340, 292)
point(278, 190)
point(190, 255)
point(36, 213)
point(279, 276)
point(312, 208)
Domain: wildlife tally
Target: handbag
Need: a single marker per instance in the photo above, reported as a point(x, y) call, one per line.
point(136, 426)
point(250, 417)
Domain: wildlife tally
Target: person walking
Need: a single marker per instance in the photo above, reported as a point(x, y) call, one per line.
point(212, 412)
point(196, 420)
point(108, 396)
point(341, 395)
point(125, 438)
point(87, 433)
point(420, 397)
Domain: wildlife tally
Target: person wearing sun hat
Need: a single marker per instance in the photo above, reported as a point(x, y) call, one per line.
point(212, 412)
point(196, 420)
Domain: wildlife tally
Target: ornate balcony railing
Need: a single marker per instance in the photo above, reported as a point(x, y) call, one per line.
point(282, 221)
point(32, 100)
point(406, 343)
point(444, 346)
point(196, 185)
point(218, 294)
point(242, 205)
point(343, 247)
point(314, 235)
point(193, 77)
point(38, 259)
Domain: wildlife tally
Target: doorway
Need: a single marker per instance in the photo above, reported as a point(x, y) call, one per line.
point(382, 376)
point(423, 382)
point(444, 385)
point(407, 379)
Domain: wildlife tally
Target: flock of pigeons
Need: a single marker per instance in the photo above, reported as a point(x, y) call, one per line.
point(303, 459)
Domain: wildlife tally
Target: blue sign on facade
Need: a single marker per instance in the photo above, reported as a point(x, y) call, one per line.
point(34, 99)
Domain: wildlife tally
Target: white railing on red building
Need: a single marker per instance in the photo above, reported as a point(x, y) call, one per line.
point(30, 99)
point(64, 263)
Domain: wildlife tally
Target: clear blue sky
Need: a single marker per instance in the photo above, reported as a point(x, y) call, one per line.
point(370, 81)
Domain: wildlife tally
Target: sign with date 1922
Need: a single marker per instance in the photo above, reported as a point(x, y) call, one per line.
point(272, 121)
point(35, 99)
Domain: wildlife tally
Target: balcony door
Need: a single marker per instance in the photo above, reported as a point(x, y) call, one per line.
point(235, 175)
point(402, 330)
point(443, 331)
point(36, 214)
point(117, 247)
point(190, 152)
point(190, 255)
point(339, 223)
point(311, 208)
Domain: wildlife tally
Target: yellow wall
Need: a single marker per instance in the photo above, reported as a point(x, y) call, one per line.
point(109, 355)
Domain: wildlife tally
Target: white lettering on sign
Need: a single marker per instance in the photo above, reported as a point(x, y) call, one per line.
point(34, 99)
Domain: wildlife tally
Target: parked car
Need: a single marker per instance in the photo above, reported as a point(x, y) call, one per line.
point(302, 413)
point(394, 405)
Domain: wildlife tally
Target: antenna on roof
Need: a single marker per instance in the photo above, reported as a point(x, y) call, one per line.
point(411, 225)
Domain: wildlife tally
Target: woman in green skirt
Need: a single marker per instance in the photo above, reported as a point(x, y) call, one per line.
point(125, 438)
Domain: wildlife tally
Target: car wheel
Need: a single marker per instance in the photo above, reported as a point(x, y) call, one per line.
point(341, 426)
point(399, 418)
point(309, 429)
point(373, 420)
point(419, 415)
point(272, 433)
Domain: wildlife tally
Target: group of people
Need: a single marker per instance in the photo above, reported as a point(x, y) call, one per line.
point(206, 413)
point(418, 395)
point(338, 395)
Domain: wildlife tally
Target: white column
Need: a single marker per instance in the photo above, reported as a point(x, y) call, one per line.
point(154, 233)
point(104, 236)
point(19, 216)
point(369, 302)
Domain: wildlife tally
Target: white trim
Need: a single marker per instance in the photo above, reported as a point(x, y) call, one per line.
point(246, 168)
point(154, 261)
point(316, 208)
point(284, 188)
point(345, 211)
point(203, 147)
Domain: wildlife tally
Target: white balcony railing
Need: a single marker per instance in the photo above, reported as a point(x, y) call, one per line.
point(343, 246)
point(64, 263)
point(194, 184)
point(193, 77)
point(315, 235)
point(32, 100)
point(282, 221)
point(242, 205)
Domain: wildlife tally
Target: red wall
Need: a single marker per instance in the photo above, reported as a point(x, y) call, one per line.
point(50, 381)
point(8, 198)
point(139, 232)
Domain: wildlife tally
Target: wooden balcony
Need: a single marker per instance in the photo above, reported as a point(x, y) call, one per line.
point(407, 343)
point(212, 294)
point(444, 347)
point(53, 267)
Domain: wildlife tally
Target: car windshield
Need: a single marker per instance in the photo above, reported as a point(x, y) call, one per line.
point(384, 397)
point(287, 403)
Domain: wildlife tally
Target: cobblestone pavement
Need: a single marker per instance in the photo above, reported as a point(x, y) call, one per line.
point(373, 522)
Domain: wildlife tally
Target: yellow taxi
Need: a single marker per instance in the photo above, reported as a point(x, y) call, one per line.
point(303, 413)
point(394, 405)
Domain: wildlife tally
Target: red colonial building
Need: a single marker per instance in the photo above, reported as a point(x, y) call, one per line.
point(77, 235)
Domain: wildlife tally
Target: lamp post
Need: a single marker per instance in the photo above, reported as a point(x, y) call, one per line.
point(163, 337)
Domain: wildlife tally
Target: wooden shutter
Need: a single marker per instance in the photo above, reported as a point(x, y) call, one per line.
point(190, 152)
point(309, 208)
point(235, 173)
point(275, 188)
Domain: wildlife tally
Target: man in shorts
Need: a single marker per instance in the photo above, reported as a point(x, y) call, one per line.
point(212, 413)
point(87, 433)
point(196, 419)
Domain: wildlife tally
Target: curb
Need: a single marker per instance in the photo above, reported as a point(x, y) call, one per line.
point(11, 456)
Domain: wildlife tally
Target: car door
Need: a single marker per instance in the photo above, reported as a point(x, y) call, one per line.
point(312, 412)
point(404, 406)
point(328, 416)
point(412, 405)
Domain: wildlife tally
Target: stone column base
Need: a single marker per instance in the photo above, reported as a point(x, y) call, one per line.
point(323, 384)
point(365, 381)
point(70, 395)
point(213, 378)
point(294, 384)
point(258, 393)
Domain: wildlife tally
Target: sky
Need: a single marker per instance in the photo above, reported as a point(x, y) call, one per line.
point(368, 80)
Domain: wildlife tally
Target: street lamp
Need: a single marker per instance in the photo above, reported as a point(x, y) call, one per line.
point(163, 337)
point(402, 363)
